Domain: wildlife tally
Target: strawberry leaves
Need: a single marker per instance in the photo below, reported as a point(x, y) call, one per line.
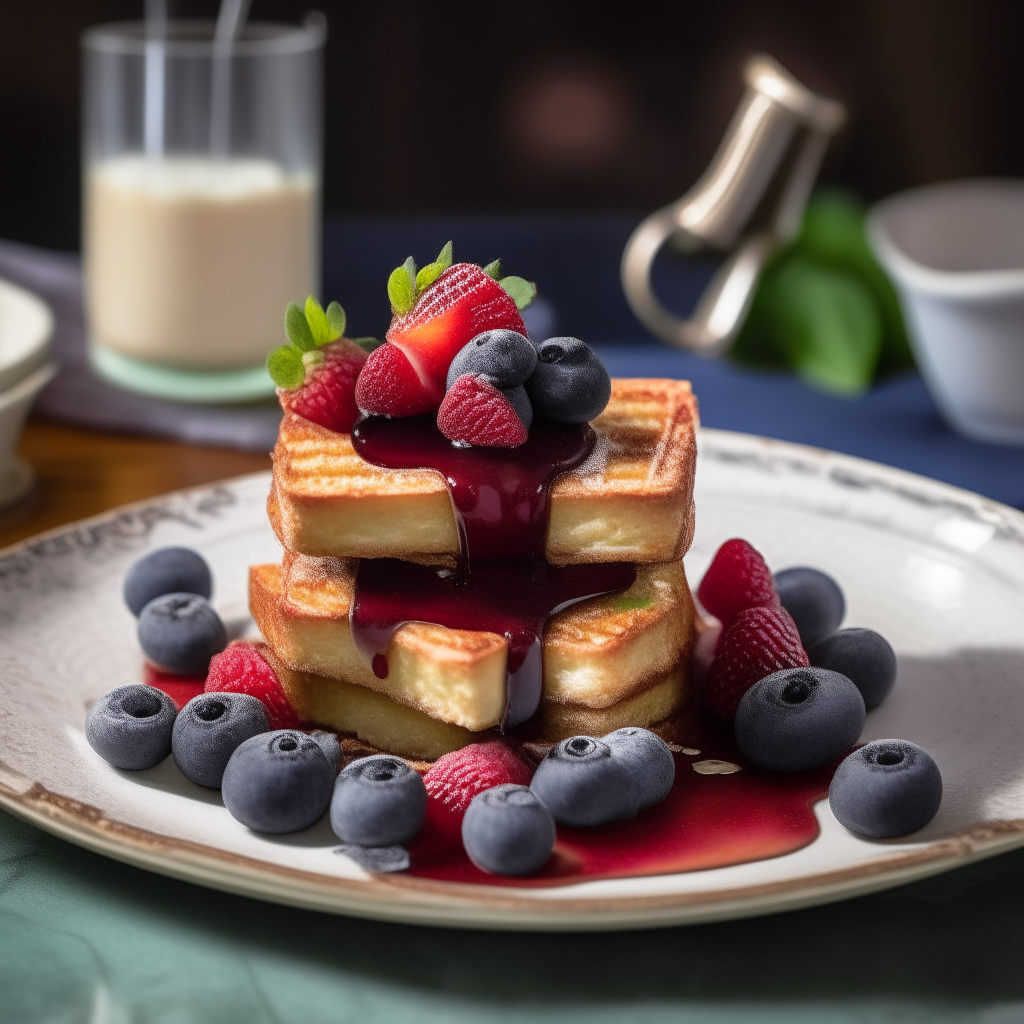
point(406, 284)
point(286, 367)
point(307, 330)
point(521, 291)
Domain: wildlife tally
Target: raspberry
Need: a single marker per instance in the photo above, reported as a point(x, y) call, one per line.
point(328, 396)
point(759, 641)
point(475, 412)
point(241, 668)
point(737, 579)
point(456, 778)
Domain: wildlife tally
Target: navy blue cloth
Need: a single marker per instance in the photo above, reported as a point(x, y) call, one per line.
point(575, 260)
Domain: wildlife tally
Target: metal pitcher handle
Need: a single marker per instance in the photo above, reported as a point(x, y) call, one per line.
point(750, 200)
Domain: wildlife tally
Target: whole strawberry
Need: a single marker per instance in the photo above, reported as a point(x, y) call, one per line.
point(437, 310)
point(737, 579)
point(758, 642)
point(316, 372)
point(241, 668)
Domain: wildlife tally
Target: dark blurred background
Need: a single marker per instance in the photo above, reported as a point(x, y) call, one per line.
point(552, 104)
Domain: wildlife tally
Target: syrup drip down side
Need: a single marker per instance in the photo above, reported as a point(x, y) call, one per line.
point(502, 585)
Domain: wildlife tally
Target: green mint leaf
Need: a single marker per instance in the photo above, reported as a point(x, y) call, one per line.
point(317, 320)
point(401, 290)
point(369, 344)
point(297, 328)
point(445, 256)
point(628, 604)
point(522, 292)
point(829, 325)
point(428, 275)
point(493, 269)
point(336, 320)
point(286, 368)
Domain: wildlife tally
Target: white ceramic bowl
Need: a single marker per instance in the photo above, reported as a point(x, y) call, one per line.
point(15, 475)
point(956, 254)
point(26, 327)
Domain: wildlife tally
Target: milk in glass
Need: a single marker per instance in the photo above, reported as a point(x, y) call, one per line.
point(191, 260)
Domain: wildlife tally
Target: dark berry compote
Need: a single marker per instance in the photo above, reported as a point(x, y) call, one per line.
point(502, 584)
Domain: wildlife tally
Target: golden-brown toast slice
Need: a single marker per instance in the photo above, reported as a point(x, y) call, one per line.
point(596, 653)
point(660, 699)
point(630, 501)
point(387, 725)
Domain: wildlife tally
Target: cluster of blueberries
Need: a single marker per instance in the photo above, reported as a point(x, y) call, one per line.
point(168, 591)
point(283, 780)
point(561, 379)
point(802, 718)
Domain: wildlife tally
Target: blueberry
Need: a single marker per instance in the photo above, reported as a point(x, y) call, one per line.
point(863, 655)
point(799, 718)
point(649, 759)
point(166, 571)
point(208, 730)
point(507, 830)
point(181, 633)
point(814, 600)
point(382, 859)
point(277, 782)
point(378, 801)
point(520, 401)
point(131, 726)
point(583, 784)
point(886, 788)
point(570, 383)
point(328, 743)
point(505, 358)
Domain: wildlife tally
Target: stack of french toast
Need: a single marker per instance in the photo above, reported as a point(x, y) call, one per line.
point(608, 662)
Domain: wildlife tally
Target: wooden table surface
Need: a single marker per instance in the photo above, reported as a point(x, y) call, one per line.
point(82, 472)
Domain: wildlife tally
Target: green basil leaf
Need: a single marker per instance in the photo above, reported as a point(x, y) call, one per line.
point(296, 327)
point(523, 292)
point(336, 320)
point(828, 324)
point(286, 368)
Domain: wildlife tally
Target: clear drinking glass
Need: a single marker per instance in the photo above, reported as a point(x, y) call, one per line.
point(201, 188)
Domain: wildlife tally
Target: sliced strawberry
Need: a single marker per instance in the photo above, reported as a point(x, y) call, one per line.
point(329, 395)
point(181, 689)
point(737, 579)
point(241, 668)
point(454, 779)
point(758, 642)
point(462, 303)
point(389, 386)
point(475, 412)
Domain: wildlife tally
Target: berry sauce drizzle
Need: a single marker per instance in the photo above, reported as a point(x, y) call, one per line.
point(706, 821)
point(502, 584)
point(512, 600)
point(500, 495)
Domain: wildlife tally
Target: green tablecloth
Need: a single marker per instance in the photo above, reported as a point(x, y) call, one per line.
point(85, 939)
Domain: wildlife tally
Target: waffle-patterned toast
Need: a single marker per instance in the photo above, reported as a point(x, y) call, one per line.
point(399, 729)
point(598, 655)
point(630, 501)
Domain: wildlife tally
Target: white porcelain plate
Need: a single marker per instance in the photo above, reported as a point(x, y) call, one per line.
point(939, 571)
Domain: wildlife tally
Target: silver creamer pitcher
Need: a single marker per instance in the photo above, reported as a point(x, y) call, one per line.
point(748, 202)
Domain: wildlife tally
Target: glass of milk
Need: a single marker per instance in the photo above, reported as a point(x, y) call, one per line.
point(201, 187)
